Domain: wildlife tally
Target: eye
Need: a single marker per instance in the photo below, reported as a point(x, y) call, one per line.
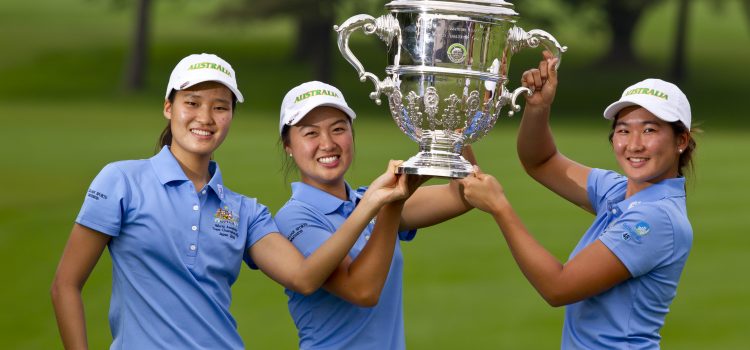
point(310, 133)
point(191, 103)
point(621, 131)
point(649, 130)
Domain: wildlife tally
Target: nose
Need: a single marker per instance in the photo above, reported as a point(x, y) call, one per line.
point(326, 141)
point(203, 115)
point(635, 142)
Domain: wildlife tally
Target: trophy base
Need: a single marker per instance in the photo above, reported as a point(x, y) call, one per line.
point(438, 164)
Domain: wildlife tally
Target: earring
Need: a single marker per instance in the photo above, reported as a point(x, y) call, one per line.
point(679, 150)
point(290, 155)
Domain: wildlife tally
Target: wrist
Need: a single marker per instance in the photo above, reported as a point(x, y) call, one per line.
point(370, 205)
point(537, 109)
point(500, 206)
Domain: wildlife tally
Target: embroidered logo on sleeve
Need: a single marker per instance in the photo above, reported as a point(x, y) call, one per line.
point(226, 222)
point(637, 232)
point(96, 195)
point(297, 231)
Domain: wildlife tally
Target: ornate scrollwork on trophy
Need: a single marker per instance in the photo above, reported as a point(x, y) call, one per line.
point(446, 73)
point(412, 110)
point(450, 113)
point(431, 99)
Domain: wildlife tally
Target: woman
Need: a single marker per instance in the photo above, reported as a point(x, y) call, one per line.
point(177, 236)
point(360, 305)
point(622, 276)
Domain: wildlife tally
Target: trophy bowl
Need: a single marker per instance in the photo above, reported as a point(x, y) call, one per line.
point(447, 73)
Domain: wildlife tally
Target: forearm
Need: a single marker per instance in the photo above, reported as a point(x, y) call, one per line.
point(540, 267)
point(316, 268)
point(431, 205)
point(535, 143)
point(69, 313)
point(367, 273)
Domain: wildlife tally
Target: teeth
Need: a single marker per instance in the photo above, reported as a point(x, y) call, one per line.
point(200, 132)
point(326, 160)
point(637, 160)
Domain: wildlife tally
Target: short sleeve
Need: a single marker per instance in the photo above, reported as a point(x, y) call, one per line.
point(105, 202)
point(407, 235)
point(303, 228)
point(642, 238)
point(599, 183)
point(259, 225)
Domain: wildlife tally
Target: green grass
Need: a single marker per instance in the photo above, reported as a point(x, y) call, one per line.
point(64, 117)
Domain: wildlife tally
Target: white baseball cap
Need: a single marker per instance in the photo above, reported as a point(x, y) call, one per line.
point(303, 98)
point(661, 98)
point(197, 68)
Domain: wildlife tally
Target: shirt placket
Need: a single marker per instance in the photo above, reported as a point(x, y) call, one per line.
point(198, 200)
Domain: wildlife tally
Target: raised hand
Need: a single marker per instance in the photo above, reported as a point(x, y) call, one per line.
point(542, 80)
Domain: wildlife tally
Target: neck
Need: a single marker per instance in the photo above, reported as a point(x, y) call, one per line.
point(637, 186)
point(634, 188)
point(194, 166)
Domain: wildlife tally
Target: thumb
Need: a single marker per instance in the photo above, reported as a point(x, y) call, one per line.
point(477, 171)
point(393, 164)
point(552, 69)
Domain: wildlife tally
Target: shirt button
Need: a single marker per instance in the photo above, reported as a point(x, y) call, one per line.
point(367, 237)
point(203, 192)
point(195, 228)
point(614, 211)
point(195, 207)
point(193, 247)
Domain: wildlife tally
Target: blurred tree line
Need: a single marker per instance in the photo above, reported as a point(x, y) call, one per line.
point(314, 21)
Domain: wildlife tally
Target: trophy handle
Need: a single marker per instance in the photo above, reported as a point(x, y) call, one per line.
point(386, 27)
point(511, 97)
point(520, 39)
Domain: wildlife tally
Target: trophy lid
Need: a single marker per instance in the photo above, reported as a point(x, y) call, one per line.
point(481, 8)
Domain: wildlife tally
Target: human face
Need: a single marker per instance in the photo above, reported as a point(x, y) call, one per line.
point(645, 147)
point(321, 145)
point(199, 119)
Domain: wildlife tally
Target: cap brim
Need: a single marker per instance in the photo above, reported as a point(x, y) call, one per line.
point(611, 111)
point(304, 111)
point(236, 92)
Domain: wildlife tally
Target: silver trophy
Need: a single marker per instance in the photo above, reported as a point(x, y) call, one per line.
point(446, 74)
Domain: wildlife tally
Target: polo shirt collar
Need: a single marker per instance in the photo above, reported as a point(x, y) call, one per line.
point(319, 199)
point(216, 183)
point(668, 188)
point(168, 169)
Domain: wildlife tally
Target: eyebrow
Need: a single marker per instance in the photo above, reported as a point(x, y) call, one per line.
point(645, 122)
point(193, 95)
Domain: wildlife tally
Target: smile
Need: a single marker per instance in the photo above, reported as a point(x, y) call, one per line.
point(200, 132)
point(637, 159)
point(328, 160)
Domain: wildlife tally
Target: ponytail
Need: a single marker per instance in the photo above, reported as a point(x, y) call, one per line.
point(165, 138)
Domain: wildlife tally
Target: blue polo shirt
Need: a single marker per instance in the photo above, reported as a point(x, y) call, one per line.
point(175, 252)
point(323, 320)
point(651, 235)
